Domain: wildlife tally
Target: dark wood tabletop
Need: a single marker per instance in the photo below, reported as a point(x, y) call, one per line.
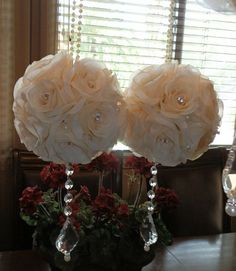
point(205, 253)
point(25, 260)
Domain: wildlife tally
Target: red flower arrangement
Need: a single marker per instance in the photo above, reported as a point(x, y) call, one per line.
point(31, 197)
point(140, 165)
point(104, 223)
point(105, 162)
point(54, 175)
point(107, 203)
point(166, 199)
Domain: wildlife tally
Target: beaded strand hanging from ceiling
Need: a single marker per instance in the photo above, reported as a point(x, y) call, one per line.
point(75, 27)
point(170, 34)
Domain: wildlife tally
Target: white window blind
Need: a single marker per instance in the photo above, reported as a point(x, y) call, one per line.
point(124, 34)
point(209, 43)
point(129, 34)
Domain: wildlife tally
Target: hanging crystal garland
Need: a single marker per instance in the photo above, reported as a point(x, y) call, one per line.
point(170, 35)
point(148, 230)
point(68, 237)
point(229, 179)
point(75, 27)
point(79, 28)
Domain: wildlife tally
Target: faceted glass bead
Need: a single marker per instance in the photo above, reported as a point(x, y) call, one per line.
point(180, 100)
point(67, 239)
point(151, 194)
point(68, 198)
point(67, 211)
point(150, 206)
point(97, 116)
point(153, 181)
point(153, 170)
point(69, 170)
point(69, 184)
point(230, 207)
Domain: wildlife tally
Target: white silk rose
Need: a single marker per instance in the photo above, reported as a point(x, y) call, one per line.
point(67, 112)
point(50, 67)
point(177, 107)
point(92, 79)
point(102, 123)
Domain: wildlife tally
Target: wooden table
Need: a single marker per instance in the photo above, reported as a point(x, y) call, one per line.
point(205, 253)
point(26, 260)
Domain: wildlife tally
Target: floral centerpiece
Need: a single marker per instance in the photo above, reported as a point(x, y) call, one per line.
point(70, 111)
point(108, 228)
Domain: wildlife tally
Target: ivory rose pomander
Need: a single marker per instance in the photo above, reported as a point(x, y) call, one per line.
point(68, 111)
point(173, 113)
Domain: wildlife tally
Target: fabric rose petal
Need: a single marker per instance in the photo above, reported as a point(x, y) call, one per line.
point(68, 112)
point(173, 113)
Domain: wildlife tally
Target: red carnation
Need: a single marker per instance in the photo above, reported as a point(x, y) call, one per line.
point(123, 209)
point(140, 165)
point(104, 202)
point(31, 197)
point(105, 162)
point(54, 174)
point(166, 198)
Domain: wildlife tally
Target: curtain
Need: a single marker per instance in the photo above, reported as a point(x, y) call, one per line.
point(7, 67)
point(6, 80)
point(43, 28)
point(28, 31)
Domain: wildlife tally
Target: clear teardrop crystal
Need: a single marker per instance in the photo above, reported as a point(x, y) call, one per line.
point(229, 179)
point(69, 184)
point(153, 170)
point(67, 239)
point(148, 232)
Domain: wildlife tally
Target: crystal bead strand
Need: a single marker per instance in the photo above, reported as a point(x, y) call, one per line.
point(68, 237)
point(148, 230)
point(75, 27)
point(153, 184)
point(73, 34)
point(170, 36)
point(64, 26)
point(79, 28)
point(227, 179)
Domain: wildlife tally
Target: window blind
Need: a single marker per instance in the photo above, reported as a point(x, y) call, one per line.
point(209, 43)
point(130, 34)
point(124, 34)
